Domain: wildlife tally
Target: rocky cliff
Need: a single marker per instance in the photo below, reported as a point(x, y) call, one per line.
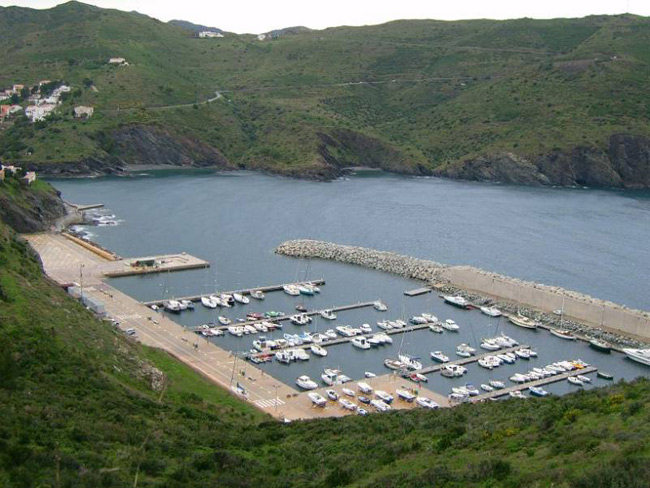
point(29, 209)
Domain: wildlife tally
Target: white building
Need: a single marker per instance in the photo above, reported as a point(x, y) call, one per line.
point(39, 112)
point(261, 37)
point(83, 112)
point(209, 34)
point(118, 61)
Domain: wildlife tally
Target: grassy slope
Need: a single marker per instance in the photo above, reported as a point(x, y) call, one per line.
point(78, 410)
point(526, 86)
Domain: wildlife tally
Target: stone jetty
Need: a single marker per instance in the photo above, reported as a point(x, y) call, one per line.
point(582, 313)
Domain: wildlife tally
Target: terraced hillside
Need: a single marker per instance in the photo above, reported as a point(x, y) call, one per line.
point(560, 101)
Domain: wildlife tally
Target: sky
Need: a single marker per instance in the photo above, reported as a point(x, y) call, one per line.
point(257, 16)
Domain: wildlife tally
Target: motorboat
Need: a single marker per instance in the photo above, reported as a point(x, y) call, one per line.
point(380, 405)
point(172, 306)
point(456, 301)
point(517, 394)
point(519, 378)
point(306, 383)
point(188, 304)
point(291, 290)
point(490, 345)
point(507, 358)
point(439, 357)
point(331, 334)
point(368, 374)
point(604, 375)
point(524, 322)
point(384, 396)
point(318, 350)
point(563, 334)
point(425, 402)
point(575, 381)
point(600, 345)
point(347, 404)
point(639, 355)
point(239, 298)
point(394, 363)
point(365, 329)
point(538, 391)
point(257, 294)
point(375, 341)
point(250, 329)
point(486, 387)
point(380, 306)
point(432, 319)
point(450, 325)
point(317, 399)
point(312, 287)
point(452, 370)
point(349, 392)
point(384, 338)
point(465, 350)
point(384, 325)
point(227, 299)
point(284, 357)
point(236, 330)
point(361, 343)
point(328, 315)
point(301, 308)
point(499, 385)
point(300, 319)
point(418, 320)
point(254, 316)
point(415, 376)
point(346, 330)
point(318, 338)
point(332, 395)
point(409, 361)
point(273, 314)
point(458, 398)
point(262, 344)
point(491, 311)
point(333, 377)
point(364, 387)
point(300, 354)
point(224, 320)
point(583, 378)
point(305, 290)
point(522, 353)
point(489, 362)
point(306, 337)
point(364, 399)
point(435, 328)
point(398, 324)
point(261, 327)
point(362, 411)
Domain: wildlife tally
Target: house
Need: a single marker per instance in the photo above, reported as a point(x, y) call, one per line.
point(83, 112)
point(11, 169)
point(209, 34)
point(261, 37)
point(18, 88)
point(29, 178)
point(43, 82)
point(7, 110)
point(39, 112)
point(4, 96)
point(119, 61)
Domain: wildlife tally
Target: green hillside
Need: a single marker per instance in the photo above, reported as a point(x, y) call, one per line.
point(84, 406)
point(465, 99)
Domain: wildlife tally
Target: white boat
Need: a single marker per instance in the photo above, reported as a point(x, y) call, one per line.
point(305, 290)
point(332, 395)
point(465, 350)
point(331, 334)
point(346, 331)
point(318, 350)
point(431, 318)
point(361, 343)
point(364, 387)
point(291, 290)
point(410, 362)
point(519, 378)
point(236, 330)
point(300, 354)
point(328, 315)
point(418, 320)
point(209, 302)
point(490, 345)
point(435, 328)
point(491, 311)
point(426, 403)
point(306, 383)
point(456, 301)
point(380, 306)
point(639, 355)
point(499, 385)
point(384, 338)
point(365, 329)
point(452, 370)
point(524, 322)
point(563, 334)
point(517, 394)
point(507, 358)
point(486, 387)
point(538, 391)
point(439, 357)
point(300, 319)
point(227, 299)
point(575, 381)
point(220, 301)
point(522, 353)
point(368, 374)
point(450, 325)
point(384, 396)
point(348, 392)
point(333, 377)
point(224, 320)
point(317, 399)
point(312, 287)
point(584, 379)
point(284, 357)
point(394, 364)
point(257, 294)
point(239, 298)
point(188, 304)
point(173, 306)
point(384, 324)
point(347, 404)
point(380, 405)
point(375, 341)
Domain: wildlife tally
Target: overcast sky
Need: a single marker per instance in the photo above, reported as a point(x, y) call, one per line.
point(255, 16)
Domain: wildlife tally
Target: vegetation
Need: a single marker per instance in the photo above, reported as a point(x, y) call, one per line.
point(433, 92)
point(82, 405)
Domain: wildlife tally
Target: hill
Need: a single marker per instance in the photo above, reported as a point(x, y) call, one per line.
point(196, 28)
point(559, 101)
point(83, 405)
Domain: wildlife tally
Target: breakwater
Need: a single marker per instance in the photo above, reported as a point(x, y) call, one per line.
point(511, 293)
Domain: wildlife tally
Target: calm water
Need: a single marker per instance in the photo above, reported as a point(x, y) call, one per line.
point(591, 241)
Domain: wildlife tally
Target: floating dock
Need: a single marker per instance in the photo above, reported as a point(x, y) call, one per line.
point(417, 292)
point(543, 381)
point(471, 359)
point(284, 318)
point(247, 291)
point(155, 264)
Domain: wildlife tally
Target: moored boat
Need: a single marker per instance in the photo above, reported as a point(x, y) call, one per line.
point(538, 391)
point(209, 302)
point(394, 363)
point(318, 350)
point(224, 320)
point(361, 343)
point(456, 301)
point(575, 381)
point(600, 345)
point(439, 357)
point(563, 334)
point(257, 294)
point(291, 290)
point(491, 311)
point(450, 325)
point(239, 298)
point(379, 306)
point(604, 375)
point(435, 328)
point(328, 315)
point(524, 322)
point(410, 361)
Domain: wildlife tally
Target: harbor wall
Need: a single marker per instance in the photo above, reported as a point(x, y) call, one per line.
point(543, 298)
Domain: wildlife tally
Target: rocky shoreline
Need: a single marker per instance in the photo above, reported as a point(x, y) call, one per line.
point(442, 276)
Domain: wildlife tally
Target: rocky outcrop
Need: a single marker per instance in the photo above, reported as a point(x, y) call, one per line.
point(27, 211)
point(624, 164)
